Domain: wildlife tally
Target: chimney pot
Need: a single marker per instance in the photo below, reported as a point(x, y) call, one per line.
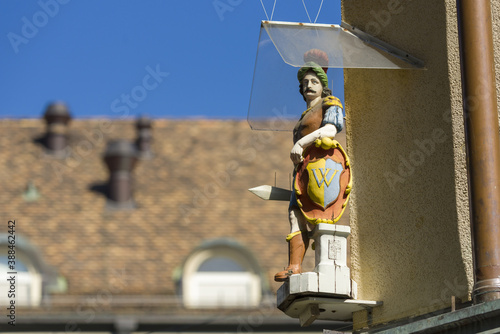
point(144, 137)
point(121, 158)
point(57, 117)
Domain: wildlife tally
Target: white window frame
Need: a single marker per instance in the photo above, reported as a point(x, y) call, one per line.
point(220, 289)
point(28, 290)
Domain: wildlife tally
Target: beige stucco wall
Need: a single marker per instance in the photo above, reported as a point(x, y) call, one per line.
point(410, 241)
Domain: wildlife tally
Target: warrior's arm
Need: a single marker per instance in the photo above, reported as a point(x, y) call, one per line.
point(333, 122)
point(334, 115)
point(329, 130)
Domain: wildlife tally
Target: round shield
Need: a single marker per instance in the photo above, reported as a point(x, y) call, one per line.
point(323, 182)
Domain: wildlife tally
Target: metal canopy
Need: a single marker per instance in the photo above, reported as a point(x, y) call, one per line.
point(346, 46)
point(275, 102)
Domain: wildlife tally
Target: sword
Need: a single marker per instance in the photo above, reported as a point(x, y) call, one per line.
point(271, 193)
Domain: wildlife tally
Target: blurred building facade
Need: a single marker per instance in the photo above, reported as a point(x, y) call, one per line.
point(146, 223)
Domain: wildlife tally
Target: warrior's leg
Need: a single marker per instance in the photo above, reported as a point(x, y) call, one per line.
point(298, 241)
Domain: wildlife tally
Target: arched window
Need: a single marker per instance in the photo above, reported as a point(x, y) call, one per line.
point(34, 278)
point(221, 274)
point(28, 282)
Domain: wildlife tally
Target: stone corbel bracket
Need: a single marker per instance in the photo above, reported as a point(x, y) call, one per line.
point(308, 308)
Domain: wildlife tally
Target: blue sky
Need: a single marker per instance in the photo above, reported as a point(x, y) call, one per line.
point(118, 58)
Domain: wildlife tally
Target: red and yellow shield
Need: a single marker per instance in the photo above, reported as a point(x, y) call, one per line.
point(323, 182)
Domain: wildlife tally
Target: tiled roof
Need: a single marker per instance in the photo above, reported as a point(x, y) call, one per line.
point(194, 189)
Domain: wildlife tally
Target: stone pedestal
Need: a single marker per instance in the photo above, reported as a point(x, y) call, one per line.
point(331, 275)
point(328, 292)
point(331, 259)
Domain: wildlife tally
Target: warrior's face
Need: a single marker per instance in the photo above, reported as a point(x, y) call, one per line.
point(311, 86)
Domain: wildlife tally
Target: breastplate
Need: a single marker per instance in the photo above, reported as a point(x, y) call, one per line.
point(308, 123)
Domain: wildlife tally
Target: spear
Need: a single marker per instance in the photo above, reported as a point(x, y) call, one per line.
point(271, 193)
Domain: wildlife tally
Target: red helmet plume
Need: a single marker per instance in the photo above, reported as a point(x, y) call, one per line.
point(317, 56)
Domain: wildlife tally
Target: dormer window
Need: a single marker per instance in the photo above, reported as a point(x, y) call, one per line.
point(221, 276)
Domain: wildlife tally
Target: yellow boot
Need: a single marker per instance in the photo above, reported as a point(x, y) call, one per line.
point(297, 247)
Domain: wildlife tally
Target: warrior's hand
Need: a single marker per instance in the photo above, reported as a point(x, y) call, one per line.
point(296, 153)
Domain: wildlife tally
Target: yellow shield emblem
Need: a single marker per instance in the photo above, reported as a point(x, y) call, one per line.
point(324, 181)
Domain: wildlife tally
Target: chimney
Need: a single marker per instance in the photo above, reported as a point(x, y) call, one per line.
point(121, 158)
point(144, 137)
point(57, 117)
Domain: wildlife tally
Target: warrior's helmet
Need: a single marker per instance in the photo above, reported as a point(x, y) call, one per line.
point(317, 61)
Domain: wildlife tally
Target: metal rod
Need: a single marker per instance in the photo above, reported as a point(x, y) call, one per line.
point(483, 145)
point(381, 45)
